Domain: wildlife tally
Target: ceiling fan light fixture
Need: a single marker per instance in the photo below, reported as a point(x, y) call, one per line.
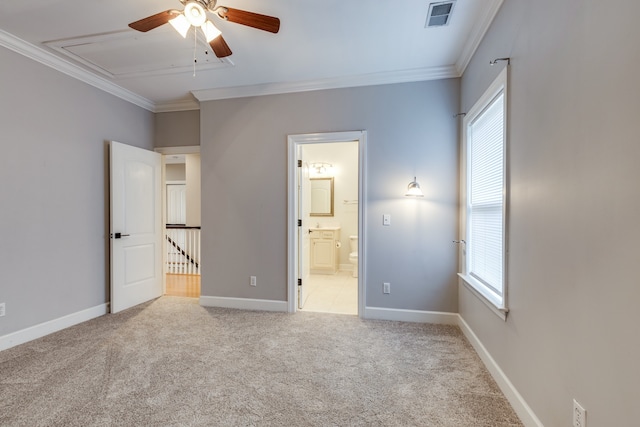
point(210, 31)
point(180, 24)
point(195, 13)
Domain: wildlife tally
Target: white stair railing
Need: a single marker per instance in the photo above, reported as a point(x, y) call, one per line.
point(183, 249)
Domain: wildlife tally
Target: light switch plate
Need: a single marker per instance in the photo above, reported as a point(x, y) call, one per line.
point(386, 219)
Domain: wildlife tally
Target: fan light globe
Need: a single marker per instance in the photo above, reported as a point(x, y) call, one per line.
point(210, 31)
point(195, 13)
point(180, 24)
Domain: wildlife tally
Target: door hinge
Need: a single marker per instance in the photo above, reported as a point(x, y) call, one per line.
point(299, 163)
point(299, 282)
point(299, 223)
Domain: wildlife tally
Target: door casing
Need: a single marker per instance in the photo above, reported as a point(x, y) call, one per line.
point(294, 141)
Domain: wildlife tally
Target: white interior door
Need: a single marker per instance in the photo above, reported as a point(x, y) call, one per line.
point(176, 204)
point(306, 224)
point(136, 226)
point(304, 210)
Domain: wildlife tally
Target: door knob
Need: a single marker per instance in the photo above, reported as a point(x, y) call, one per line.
point(119, 235)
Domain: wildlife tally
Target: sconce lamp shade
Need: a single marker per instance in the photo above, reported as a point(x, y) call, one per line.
point(413, 189)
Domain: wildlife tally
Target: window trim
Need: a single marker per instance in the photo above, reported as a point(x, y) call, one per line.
point(498, 305)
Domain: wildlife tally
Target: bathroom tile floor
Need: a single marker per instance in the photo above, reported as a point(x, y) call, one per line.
point(332, 293)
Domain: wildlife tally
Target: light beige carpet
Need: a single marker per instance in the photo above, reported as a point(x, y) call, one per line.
point(173, 363)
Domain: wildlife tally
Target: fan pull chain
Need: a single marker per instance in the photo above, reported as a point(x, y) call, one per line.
point(195, 46)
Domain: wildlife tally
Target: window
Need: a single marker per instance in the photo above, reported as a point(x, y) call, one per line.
point(484, 192)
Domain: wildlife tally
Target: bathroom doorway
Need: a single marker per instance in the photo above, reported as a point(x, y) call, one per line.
point(326, 211)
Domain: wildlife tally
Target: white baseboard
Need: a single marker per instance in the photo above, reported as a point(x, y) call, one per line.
point(37, 331)
point(380, 313)
point(518, 403)
point(244, 303)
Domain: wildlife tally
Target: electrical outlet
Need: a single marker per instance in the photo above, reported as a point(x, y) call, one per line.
point(2, 309)
point(579, 415)
point(253, 281)
point(386, 288)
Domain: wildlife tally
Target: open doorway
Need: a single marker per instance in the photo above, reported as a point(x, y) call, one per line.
point(181, 196)
point(325, 232)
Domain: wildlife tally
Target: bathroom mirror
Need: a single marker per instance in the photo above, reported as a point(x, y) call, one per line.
point(321, 196)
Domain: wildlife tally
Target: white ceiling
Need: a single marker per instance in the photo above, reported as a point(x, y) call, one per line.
point(321, 44)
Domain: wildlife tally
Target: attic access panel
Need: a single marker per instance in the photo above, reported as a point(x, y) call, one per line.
point(128, 53)
point(439, 13)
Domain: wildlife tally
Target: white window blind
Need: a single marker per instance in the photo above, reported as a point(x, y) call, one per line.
point(485, 196)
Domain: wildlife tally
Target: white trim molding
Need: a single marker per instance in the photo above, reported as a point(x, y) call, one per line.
point(520, 406)
point(495, 293)
point(293, 143)
point(40, 55)
point(480, 28)
point(180, 105)
point(187, 149)
point(38, 331)
point(476, 290)
point(373, 79)
point(49, 59)
point(244, 303)
point(417, 316)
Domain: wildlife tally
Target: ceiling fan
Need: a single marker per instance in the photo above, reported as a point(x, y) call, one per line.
point(195, 14)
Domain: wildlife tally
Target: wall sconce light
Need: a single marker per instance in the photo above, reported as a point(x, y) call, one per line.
point(413, 189)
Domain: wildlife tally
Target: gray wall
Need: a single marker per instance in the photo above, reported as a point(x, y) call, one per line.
point(175, 172)
point(244, 189)
point(194, 192)
point(177, 129)
point(54, 193)
point(575, 205)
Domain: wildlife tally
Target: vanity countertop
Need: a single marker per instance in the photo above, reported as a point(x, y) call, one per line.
point(324, 228)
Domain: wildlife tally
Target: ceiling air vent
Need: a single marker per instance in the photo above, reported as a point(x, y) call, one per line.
point(439, 13)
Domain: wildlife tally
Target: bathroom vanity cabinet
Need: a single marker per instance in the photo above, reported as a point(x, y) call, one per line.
point(325, 253)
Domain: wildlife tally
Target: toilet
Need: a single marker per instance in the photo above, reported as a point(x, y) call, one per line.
point(353, 254)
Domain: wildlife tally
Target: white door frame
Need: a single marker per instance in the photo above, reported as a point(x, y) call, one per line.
point(294, 141)
point(167, 151)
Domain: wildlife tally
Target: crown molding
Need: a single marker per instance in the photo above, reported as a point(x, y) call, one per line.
point(480, 28)
point(415, 75)
point(47, 58)
point(187, 149)
point(40, 55)
point(180, 105)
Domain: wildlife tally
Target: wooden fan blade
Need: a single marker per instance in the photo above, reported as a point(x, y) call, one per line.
point(220, 47)
point(250, 19)
point(154, 21)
